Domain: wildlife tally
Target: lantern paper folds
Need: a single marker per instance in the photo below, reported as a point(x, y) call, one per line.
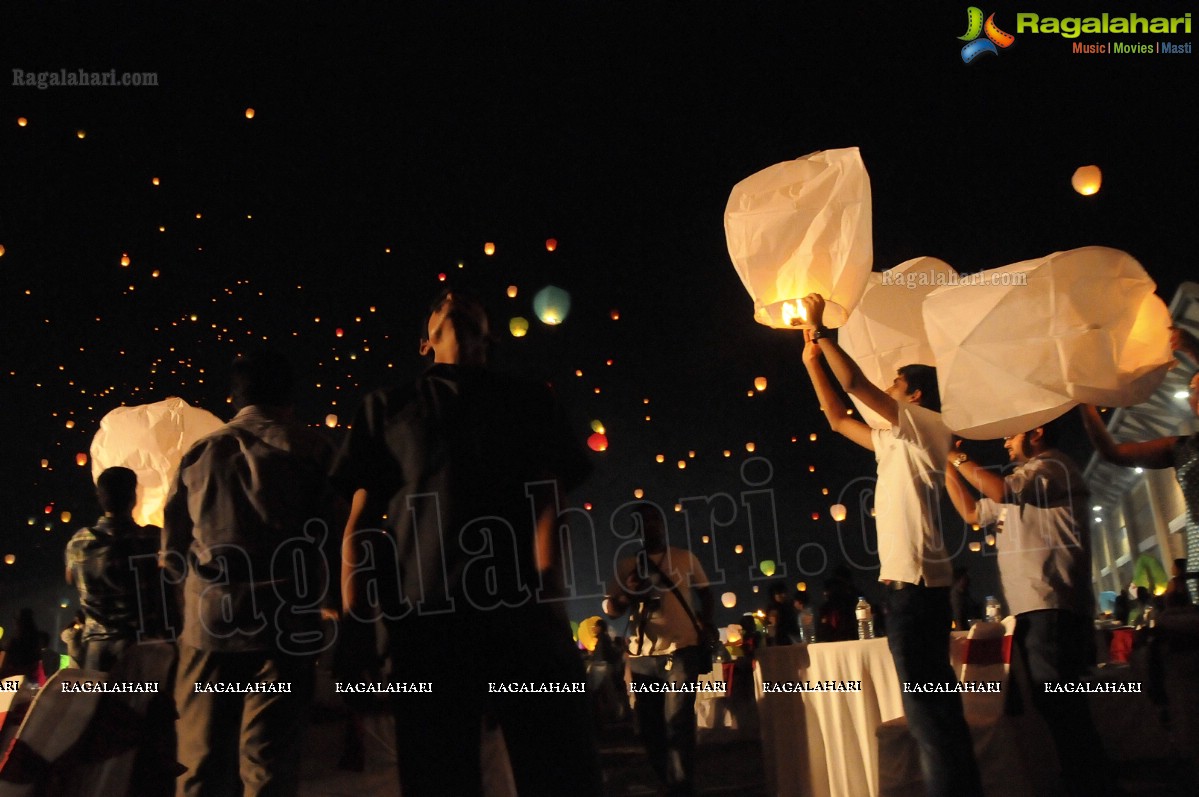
point(150, 440)
point(886, 331)
point(802, 227)
point(1018, 346)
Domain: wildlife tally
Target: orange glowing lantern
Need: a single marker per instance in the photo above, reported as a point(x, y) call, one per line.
point(519, 327)
point(551, 244)
point(760, 384)
point(728, 600)
point(125, 259)
point(81, 459)
point(489, 248)
point(249, 113)
point(1087, 179)
point(838, 512)
point(339, 332)
point(598, 442)
point(331, 421)
point(511, 291)
point(22, 121)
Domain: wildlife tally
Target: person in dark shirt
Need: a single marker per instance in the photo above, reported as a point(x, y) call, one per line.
point(468, 466)
point(965, 608)
point(114, 565)
point(21, 650)
point(785, 628)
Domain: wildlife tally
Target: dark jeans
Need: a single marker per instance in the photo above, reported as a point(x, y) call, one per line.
point(918, 634)
point(1054, 647)
point(549, 737)
point(227, 740)
point(666, 721)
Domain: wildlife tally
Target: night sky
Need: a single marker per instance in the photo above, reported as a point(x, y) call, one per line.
point(390, 142)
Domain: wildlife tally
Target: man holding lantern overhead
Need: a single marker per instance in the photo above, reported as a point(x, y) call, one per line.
point(914, 564)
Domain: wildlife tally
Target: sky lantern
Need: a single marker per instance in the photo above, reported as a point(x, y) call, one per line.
point(886, 330)
point(150, 439)
point(750, 447)
point(70, 424)
point(597, 426)
point(639, 493)
point(801, 227)
point(1032, 340)
point(10, 559)
point(739, 549)
point(331, 420)
point(1, 250)
point(125, 259)
point(812, 437)
point(837, 512)
point(339, 332)
point(65, 517)
point(614, 314)
point(682, 463)
point(552, 305)
point(154, 181)
point(767, 567)
point(660, 458)
point(733, 632)
point(489, 248)
point(81, 459)
point(551, 244)
point(728, 600)
point(597, 442)
point(1087, 179)
point(511, 291)
point(760, 384)
point(519, 327)
point(249, 113)
point(81, 134)
point(975, 547)
point(22, 121)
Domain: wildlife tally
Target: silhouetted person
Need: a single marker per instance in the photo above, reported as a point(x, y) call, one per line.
point(114, 565)
point(21, 651)
point(963, 605)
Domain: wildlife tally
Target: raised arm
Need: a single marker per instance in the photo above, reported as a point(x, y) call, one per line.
point(963, 500)
point(848, 373)
point(353, 578)
point(831, 405)
point(1149, 454)
point(985, 481)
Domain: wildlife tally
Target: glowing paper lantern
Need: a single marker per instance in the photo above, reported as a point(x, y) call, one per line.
point(1, 250)
point(728, 600)
point(22, 121)
point(734, 634)
point(331, 421)
point(10, 559)
point(597, 426)
point(511, 291)
point(760, 384)
point(597, 442)
point(519, 327)
point(589, 632)
point(886, 330)
point(802, 227)
point(551, 244)
point(249, 113)
point(150, 439)
point(767, 567)
point(81, 459)
point(489, 248)
point(739, 549)
point(552, 305)
point(81, 134)
point(1022, 344)
point(1087, 179)
point(837, 512)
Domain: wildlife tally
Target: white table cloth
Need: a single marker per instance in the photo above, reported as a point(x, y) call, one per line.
point(823, 744)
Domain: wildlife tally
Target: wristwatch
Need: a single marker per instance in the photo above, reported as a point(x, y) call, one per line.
point(819, 332)
point(957, 459)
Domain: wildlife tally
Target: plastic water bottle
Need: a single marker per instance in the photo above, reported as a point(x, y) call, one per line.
point(992, 609)
point(865, 619)
point(807, 626)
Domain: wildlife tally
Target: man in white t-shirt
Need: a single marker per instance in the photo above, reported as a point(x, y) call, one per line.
point(914, 565)
point(665, 649)
point(1043, 546)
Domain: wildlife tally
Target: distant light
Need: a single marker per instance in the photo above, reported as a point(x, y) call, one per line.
point(1138, 470)
point(660, 458)
point(331, 421)
point(511, 291)
point(1098, 520)
point(682, 464)
point(154, 181)
point(22, 121)
point(760, 384)
point(739, 549)
point(750, 447)
point(639, 493)
point(705, 539)
point(1087, 179)
point(80, 134)
point(489, 248)
point(249, 113)
point(1097, 508)
point(1181, 394)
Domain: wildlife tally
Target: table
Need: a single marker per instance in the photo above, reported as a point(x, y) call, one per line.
point(823, 744)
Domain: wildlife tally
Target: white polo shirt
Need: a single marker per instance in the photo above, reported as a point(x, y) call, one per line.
point(1042, 539)
point(907, 499)
point(669, 627)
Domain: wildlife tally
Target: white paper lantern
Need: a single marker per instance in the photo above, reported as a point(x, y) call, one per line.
point(886, 330)
point(150, 440)
point(1018, 346)
point(801, 227)
point(837, 512)
point(728, 600)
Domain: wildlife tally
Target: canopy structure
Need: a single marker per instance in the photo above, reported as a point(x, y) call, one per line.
point(886, 330)
point(150, 440)
point(801, 227)
point(1020, 345)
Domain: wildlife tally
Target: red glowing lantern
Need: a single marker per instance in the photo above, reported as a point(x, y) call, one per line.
point(598, 442)
point(551, 244)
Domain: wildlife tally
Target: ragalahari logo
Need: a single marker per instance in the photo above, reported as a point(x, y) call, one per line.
point(975, 27)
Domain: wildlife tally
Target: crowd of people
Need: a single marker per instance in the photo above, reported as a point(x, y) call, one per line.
point(439, 518)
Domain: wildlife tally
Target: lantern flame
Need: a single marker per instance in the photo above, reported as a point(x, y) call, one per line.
point(794, 314)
